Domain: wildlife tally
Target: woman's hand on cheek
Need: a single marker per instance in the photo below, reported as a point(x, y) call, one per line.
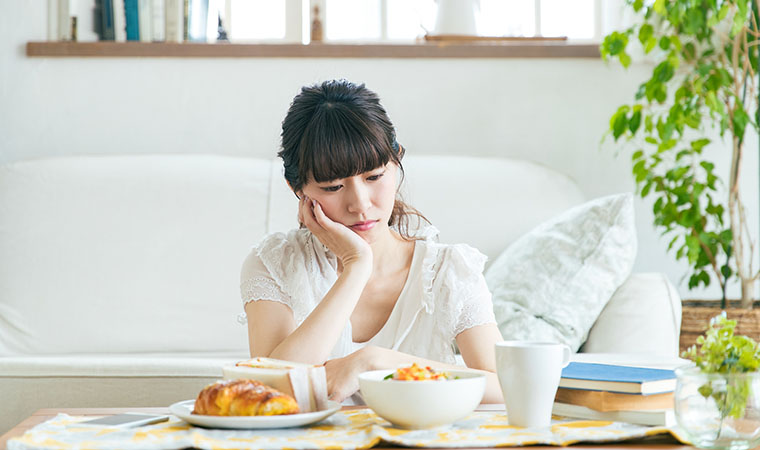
point(343, 374)
point(348, 246)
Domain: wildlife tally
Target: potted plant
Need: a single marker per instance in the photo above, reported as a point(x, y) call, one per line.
point(705, 55)
point(717, 401)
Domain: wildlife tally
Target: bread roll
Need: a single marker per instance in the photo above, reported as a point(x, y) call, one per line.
point(243, 398)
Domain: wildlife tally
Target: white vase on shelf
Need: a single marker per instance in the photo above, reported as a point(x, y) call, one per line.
point(457, 17)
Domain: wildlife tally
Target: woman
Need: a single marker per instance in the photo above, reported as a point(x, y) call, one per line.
point(353, 289)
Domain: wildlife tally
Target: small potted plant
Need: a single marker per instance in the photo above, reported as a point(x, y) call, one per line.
point(717, 400)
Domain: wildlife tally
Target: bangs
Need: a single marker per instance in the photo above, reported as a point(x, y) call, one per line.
point(338, 143)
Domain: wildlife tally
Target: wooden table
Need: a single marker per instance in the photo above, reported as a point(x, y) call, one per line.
point(663, 442)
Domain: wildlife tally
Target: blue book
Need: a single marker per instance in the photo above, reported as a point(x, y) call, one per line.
point(133, 21)
point(614, 378)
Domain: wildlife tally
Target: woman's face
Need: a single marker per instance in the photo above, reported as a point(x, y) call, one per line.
point(363, 202)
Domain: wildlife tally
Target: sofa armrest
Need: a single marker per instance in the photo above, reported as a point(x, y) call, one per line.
point(643, 316)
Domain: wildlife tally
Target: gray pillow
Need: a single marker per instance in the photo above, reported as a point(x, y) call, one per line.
point(552, 283)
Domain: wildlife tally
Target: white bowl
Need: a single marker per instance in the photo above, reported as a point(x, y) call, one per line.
point(422, 404)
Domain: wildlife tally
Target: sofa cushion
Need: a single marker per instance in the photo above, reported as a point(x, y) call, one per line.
point(552, 283)
point(643, 316)
point(126, 254)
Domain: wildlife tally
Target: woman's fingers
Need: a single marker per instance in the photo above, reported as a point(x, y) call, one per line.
point(307, 214)
point(301, 210)
point(321, 217)
point(341, 378)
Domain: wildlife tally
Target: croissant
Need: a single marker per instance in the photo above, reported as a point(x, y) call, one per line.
point(243, 398)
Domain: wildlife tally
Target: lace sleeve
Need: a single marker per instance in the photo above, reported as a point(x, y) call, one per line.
point(477, 308)
point(256, 283)
point(469, 300)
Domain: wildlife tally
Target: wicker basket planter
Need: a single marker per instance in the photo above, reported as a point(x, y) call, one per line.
point(697, 314)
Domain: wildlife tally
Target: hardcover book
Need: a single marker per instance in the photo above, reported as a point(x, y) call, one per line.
point(107, 20)
point(158, 19)
point(197, 21)
point(661, 417)
point(119, 21)
point(613, 401)
point(174, 20)
point(133, 20)
point(145, 14)
point(614, 378)
point(64, 20)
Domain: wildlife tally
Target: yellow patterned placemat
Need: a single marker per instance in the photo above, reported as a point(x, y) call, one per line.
point(360, 428)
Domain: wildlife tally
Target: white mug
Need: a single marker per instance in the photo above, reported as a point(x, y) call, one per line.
point(529, 374)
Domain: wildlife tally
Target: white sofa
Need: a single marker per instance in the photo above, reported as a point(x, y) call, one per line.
point(119, 274)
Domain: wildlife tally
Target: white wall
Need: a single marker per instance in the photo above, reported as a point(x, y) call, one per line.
point(552, 111)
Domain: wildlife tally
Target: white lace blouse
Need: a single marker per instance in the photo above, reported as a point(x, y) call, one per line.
point(444, 294)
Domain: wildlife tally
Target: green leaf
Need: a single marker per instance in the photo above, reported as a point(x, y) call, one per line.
point(663, 72)
point(650, 44)
point(723, 12)
point(726, 236)
point(635, 121)
point(665, 43)
point(726, 271)
point(619, 125)
point(693, 245)
point(659, 7)
point(699, 144)
point(695, 21)
point(704, 277)
point(667, 145)
point(689, 51)
point(675, 42)
point(741, 119)
point(739, 22)
point(711, 100)
point(660, 94)
point(613, 44)
point(648, 124)
point(645, 190)
point(625, 59)
point(645, 32)
point(693, 282)
point(683, 153)
point(641, 91)
point(672, 242)
point(657, 207)
point(640, 171)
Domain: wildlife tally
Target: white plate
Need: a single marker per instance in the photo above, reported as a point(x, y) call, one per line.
point(184, 410)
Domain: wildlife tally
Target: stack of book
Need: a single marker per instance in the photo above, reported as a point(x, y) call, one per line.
point(616, 393)
point(134, 20)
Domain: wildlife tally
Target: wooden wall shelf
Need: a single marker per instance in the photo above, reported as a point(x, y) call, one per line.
point(509, 49)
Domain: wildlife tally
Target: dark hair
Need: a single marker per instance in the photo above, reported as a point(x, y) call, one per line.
point(338, 129)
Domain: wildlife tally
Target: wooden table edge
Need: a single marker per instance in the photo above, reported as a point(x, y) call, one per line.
point(44, 414)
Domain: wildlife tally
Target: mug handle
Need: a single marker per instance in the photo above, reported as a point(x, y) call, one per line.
point(566, 352)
